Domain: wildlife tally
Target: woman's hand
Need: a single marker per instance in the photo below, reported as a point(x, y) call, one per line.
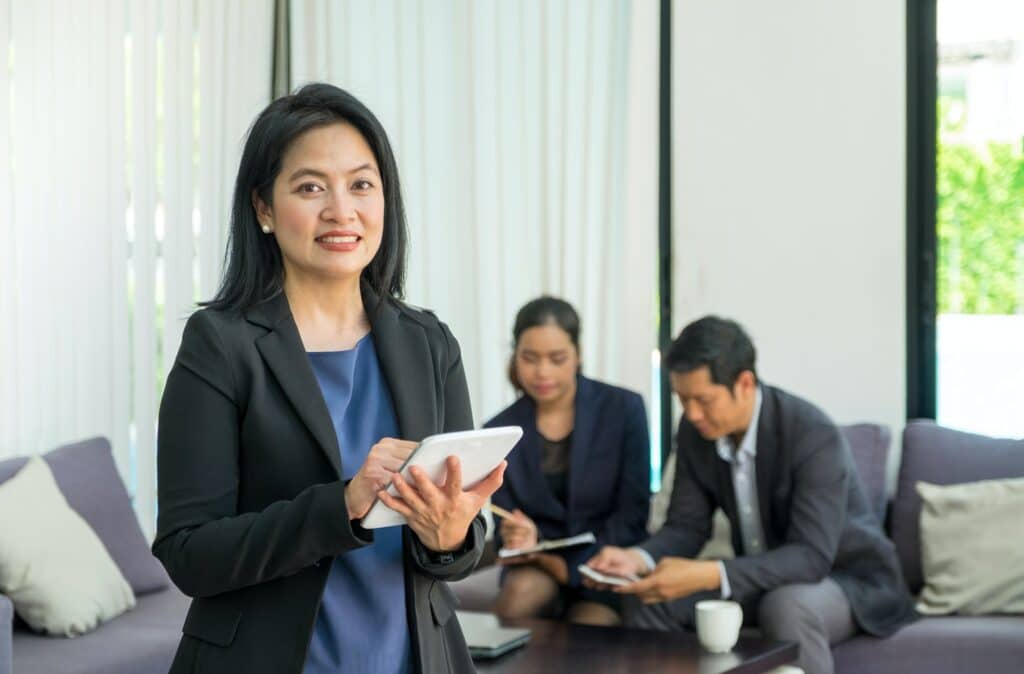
point(440, 516)
point(554, 565)
point(381, 465)
point(518, 532)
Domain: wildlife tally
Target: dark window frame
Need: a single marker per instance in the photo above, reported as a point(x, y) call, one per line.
point(922, 148)
point(665, 218)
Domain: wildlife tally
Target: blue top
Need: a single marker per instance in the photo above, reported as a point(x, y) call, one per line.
point(361, 625)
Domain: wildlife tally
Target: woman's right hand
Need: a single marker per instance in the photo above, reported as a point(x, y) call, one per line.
point(376, 473)
point(518, 532)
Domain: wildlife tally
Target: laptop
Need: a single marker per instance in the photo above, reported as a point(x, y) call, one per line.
point(486, 637)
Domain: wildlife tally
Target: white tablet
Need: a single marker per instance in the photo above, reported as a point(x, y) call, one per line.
point(480, 452)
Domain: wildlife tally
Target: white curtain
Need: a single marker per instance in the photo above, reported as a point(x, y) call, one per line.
point(512, 122)
point(121, 124)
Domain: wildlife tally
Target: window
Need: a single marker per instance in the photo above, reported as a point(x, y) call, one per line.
point(980, 216)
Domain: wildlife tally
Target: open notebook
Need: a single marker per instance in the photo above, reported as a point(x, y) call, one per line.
point(486, 637)
point(553, 544)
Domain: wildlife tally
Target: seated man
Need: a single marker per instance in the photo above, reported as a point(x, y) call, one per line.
point(812, 564)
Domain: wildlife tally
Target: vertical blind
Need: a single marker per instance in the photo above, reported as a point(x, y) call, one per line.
point(121, 125)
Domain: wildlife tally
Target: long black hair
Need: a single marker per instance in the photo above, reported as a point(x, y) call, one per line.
point(545, 310)
point(254, 269)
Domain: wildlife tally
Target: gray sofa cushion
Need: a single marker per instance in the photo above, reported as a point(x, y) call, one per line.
point(141, 641)
point(946, 645)
point(6, 626)
point(943, 456)
point(869, 444)
point(88, 478)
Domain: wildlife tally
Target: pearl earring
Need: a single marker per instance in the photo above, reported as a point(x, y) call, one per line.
point(266, 229)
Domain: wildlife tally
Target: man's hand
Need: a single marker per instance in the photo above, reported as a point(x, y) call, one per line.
point(675, 577)
point(615, 562)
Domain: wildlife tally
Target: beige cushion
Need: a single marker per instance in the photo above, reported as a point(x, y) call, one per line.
point(972, 551)
point(53, 567)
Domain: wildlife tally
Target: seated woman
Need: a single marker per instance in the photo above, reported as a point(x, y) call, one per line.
point(582, 465)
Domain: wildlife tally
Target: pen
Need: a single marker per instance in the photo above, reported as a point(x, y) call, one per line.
point(499, 511)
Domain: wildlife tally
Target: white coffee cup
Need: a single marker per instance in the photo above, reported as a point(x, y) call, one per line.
point(718, 624)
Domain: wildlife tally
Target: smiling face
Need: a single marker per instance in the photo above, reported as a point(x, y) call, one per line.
point(328, 204)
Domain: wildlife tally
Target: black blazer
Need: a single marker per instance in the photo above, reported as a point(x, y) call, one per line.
point(609, 489)
point(816, 519)
point(251, 505)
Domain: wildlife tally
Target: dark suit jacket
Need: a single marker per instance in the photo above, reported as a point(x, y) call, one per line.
point(816, 519)
point(251, 505)
point(609, 488)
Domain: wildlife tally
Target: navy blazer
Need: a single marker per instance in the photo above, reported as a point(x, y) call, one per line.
point(608, 489)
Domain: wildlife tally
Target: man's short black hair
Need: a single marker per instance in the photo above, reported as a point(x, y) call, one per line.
point(718, 343)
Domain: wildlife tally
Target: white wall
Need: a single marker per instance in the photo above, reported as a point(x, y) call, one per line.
point(788, 191)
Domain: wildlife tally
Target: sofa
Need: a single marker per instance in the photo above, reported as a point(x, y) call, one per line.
point(932, 645)
point(141, 641)
point(947, 644)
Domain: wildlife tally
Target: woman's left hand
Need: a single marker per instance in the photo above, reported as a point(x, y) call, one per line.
point(440, 516)
point(554, 565)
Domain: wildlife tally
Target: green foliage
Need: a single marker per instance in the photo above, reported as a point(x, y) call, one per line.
point(980, 228)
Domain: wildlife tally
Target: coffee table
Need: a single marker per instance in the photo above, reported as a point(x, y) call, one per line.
point(563, 648)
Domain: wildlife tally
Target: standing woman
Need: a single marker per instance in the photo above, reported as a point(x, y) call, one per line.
point(582, 465)
point(281, 419)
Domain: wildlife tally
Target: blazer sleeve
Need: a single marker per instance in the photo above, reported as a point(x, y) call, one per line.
point(688, 524)
point(458, 416)
point(205, 544)
point(816, 521)
point(628, 522)
point(503, 498)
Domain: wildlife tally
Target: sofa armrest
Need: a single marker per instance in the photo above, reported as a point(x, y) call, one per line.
point(6, 635)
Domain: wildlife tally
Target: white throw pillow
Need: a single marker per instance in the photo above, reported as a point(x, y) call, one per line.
point(53, 567)
point(972, 553)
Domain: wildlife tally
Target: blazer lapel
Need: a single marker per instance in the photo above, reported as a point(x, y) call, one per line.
point(582, 439)
point(284, 354)
point(524, 474)
point(404, 355)
point(767, 451)
point(725, 488)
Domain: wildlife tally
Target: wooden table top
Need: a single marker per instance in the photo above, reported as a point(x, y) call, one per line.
point(562, 648)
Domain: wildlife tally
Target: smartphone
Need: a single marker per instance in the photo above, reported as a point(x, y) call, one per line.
point(599, 577)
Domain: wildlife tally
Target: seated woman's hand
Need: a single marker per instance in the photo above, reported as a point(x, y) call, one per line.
point(381, 465)
point(440, 516)
point(518, 532)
